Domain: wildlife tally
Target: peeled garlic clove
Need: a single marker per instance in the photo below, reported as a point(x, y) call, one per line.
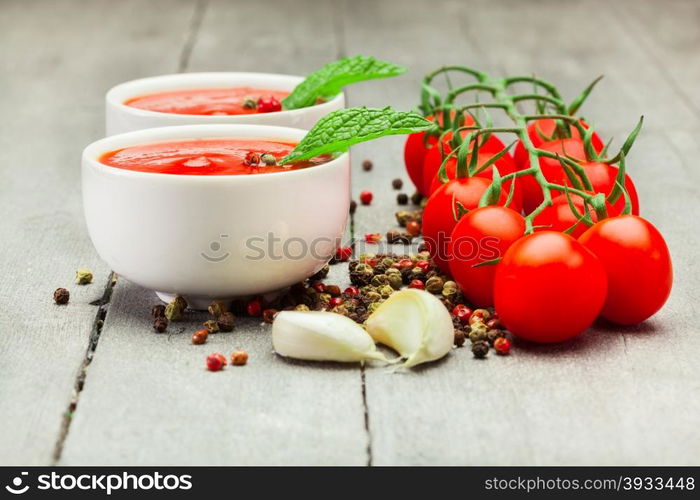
point(415, 324)
point(322, 336)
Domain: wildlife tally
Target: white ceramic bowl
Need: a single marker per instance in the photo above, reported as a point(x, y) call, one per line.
point(122, 118)
point(214, 237)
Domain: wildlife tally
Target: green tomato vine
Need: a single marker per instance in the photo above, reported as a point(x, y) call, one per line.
point(549, 104)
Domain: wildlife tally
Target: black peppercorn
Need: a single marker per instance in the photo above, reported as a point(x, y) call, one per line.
point(402, 199)
point(393, 237)
point(480, 349)
point(416, 198)
point(158, 311)
point(61, 296)
point(367, 165)
point(211, 325)
point(459, 337)
point(397, 183)
point(160, 324)
point(226, 322)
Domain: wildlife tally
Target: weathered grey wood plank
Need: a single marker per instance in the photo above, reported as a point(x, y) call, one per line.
point(149, 399)
point(600, 398)
point(57, 60)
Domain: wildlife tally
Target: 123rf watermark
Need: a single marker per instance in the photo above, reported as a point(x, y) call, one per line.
point(100, 483)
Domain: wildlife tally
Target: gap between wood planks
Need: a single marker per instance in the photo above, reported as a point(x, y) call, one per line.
point(341, 49)
point(200, 7)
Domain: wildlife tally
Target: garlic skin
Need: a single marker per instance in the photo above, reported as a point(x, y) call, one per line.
point(415, 324)
point(322, 336)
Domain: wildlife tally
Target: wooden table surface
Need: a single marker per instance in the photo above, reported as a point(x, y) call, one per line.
point(76, 391)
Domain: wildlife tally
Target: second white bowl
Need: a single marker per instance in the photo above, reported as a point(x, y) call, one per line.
point(122, 118)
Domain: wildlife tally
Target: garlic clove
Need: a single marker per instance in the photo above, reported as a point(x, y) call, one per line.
point(415, 324)
point(322, 336)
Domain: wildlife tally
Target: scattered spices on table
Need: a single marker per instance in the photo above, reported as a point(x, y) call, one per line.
point(217, 308)
point(200, 337)
point(366, 197)
point(268, 315)
point(83, 276)
point(416, 198)
point(402, 199)
point(239, 357)
point(502, 346)
point(254, 308)
point(373, 238)
point(367, 165)
point(342, 254)
point(226, 321)
point(397, 183)
point(211, 326)
point(216, 362)
point(158, 311)
point(460, 338)
point(160, 324)
point(61, 296)
point(413, 228)
point(480, 349)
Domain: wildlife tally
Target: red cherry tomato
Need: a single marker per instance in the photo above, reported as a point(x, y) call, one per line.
point(559, 217)
point(603, 177)
point(417, 145)
point(549, 287)
point(481, 235)
point(439, 213)
point(540, 130)
point(551, 168)
point(433, 159)
point(638, 264)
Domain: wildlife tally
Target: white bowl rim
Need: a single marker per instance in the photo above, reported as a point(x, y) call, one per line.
point(119, 93)
point(93, 151)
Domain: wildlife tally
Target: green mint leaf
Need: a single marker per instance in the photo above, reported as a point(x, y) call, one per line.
point(337, 131)
point(329, 81)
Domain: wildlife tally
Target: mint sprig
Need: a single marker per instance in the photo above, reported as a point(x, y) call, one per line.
point(329, 81)
point(337, 131)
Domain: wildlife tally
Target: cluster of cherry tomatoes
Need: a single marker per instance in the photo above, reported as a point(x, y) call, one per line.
point(551, 282)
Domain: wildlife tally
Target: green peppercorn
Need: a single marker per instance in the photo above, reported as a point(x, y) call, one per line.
point(403, 217)
point(373, 307)
point(250, 103)
point(380, 280)
point(395, 280)
point(373, 296)
point(449, 289)
point(480, 349)
point(211, 325)
point(83, 276)
point(217, 308)
point(173, 311)
point(268, 159)
point(302, 307)
point(478, 332)
point(434, 284)
point(386, 291)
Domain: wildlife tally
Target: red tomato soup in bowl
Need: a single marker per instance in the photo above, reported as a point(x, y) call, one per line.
point(216, 101)
point(209, 98)
point(185, 210)
point(217, 156)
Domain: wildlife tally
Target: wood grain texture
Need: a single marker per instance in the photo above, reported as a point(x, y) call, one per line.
point(601, 397)
point(57, 60)
point(613, 396)
point(149, 399)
